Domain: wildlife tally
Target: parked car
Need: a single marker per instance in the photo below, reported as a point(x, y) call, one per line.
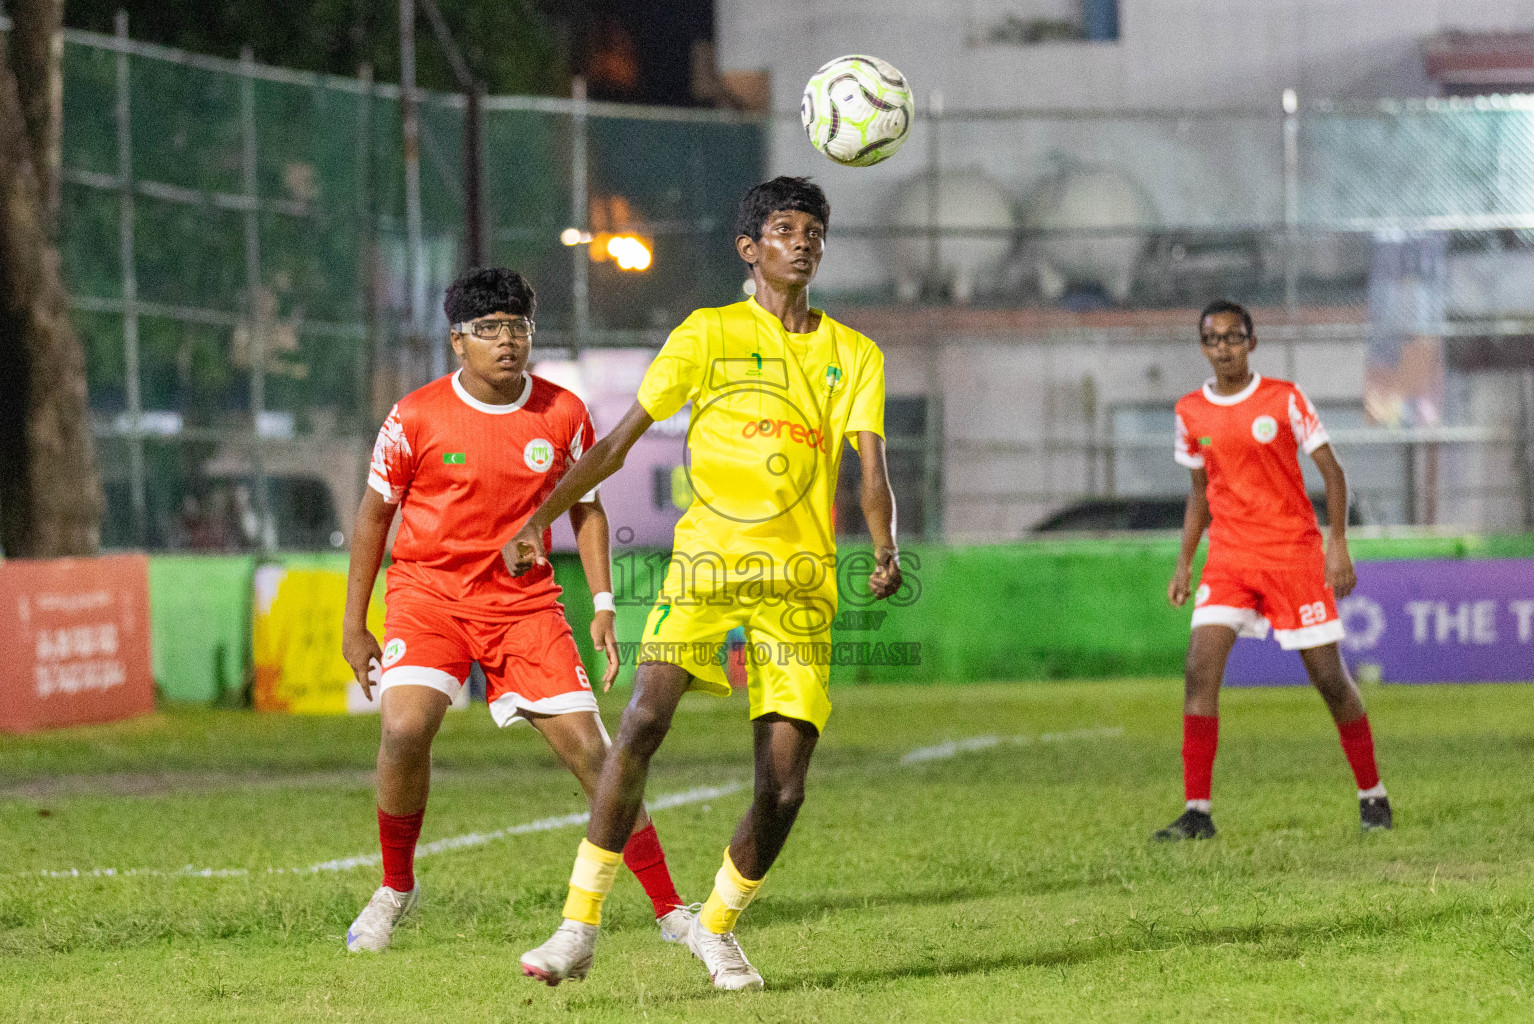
point(1115, 515)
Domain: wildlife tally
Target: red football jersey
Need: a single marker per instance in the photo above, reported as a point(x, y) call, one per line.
point(1249, 444)
point(466, 476)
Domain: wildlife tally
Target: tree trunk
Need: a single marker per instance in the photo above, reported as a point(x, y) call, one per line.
point(37, 50)
point(50, 495)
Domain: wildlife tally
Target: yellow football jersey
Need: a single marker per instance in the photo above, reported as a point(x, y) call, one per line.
point(769, 411)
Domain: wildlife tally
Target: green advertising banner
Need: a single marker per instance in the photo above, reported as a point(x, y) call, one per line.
point(1035, 610)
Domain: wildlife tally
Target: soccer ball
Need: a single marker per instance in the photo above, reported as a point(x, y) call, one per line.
point(857, 110)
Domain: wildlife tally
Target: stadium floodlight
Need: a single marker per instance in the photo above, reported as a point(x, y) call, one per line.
point(629, 252)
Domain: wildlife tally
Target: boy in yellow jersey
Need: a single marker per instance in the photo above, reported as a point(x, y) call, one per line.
point(774, 385)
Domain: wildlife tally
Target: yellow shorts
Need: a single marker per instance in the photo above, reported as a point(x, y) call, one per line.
point(788, 644)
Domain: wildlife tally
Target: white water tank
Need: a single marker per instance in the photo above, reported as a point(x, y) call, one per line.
point(976, 209)
point(1093, 223)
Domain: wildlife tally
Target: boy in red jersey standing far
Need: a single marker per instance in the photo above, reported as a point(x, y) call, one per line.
point(1241, 436)
point(464, 461)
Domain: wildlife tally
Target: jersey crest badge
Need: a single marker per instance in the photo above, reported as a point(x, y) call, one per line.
point(393, 651)
point(1264, 428)
point(1201, 595)
point(833, 376)
point(539, 455)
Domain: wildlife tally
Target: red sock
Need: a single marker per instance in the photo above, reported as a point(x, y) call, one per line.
point(1200, 737)
point(1358, 745)
point(396, 837)
point(647, 860)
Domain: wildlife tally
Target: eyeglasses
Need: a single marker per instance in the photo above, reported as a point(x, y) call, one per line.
point(1233, 339)
point(490, 329)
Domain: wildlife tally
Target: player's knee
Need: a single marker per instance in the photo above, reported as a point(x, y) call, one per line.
point(588, 765)
point(1201, 674)
point(642, 729)
point(405, 737)
point(1334, 686)
point(783, 800)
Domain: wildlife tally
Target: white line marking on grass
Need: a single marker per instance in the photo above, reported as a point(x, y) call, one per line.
point(953, 748)
point(943, 751)
point(469, 840)
point(451, 843)
point(190, 871)
point(472, 839)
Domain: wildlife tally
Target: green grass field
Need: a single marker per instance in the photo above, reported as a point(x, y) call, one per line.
point(989, 881)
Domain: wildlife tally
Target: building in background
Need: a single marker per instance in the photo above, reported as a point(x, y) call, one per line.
point(1084, 175)
point(1165, 54)
point(1030, 261)
point(1462, 63)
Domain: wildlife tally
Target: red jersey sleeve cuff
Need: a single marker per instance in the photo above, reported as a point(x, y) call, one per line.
point(381, 485)
point(1316, 440)
point(1191, 461)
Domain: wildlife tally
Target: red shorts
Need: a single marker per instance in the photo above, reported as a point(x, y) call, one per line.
point(530, 662)
point(1294, 600)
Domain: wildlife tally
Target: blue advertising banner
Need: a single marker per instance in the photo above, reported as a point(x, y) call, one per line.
point(1429, 621)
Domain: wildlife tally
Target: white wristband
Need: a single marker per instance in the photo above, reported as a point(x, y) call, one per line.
point(604, 602)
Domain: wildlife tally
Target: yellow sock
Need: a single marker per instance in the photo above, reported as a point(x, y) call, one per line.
point(732, 893)
point(590, 882)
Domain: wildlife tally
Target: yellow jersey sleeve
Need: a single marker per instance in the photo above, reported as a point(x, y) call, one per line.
point(868, 400)
point(677, 372)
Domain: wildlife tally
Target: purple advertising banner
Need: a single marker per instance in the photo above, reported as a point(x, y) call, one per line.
point(1430, 621)
point(648, 495)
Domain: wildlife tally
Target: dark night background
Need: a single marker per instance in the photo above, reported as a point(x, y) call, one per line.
point(637, 51)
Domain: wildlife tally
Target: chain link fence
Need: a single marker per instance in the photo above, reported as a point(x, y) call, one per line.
point(236, 248)
point(1035, 276)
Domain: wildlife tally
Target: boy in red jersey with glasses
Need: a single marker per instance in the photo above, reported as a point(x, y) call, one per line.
point(464, 461)
point(1241, 436)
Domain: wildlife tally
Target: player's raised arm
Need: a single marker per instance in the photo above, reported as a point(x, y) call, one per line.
point(358, 645)
point(589, 521)
point(1340, 575)
point(604, 458)
point(878, 501)
point(1195, 520)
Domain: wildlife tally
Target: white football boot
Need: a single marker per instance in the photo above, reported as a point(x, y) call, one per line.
point(675, 925)
point(565, 957)
point(721, 954)
point(374, 927)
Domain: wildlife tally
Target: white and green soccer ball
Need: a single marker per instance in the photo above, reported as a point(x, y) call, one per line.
point(857, 110)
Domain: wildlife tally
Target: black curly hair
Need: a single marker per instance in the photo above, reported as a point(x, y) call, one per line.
point(1226, 306)
point(781, 193)
point(485, 290)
